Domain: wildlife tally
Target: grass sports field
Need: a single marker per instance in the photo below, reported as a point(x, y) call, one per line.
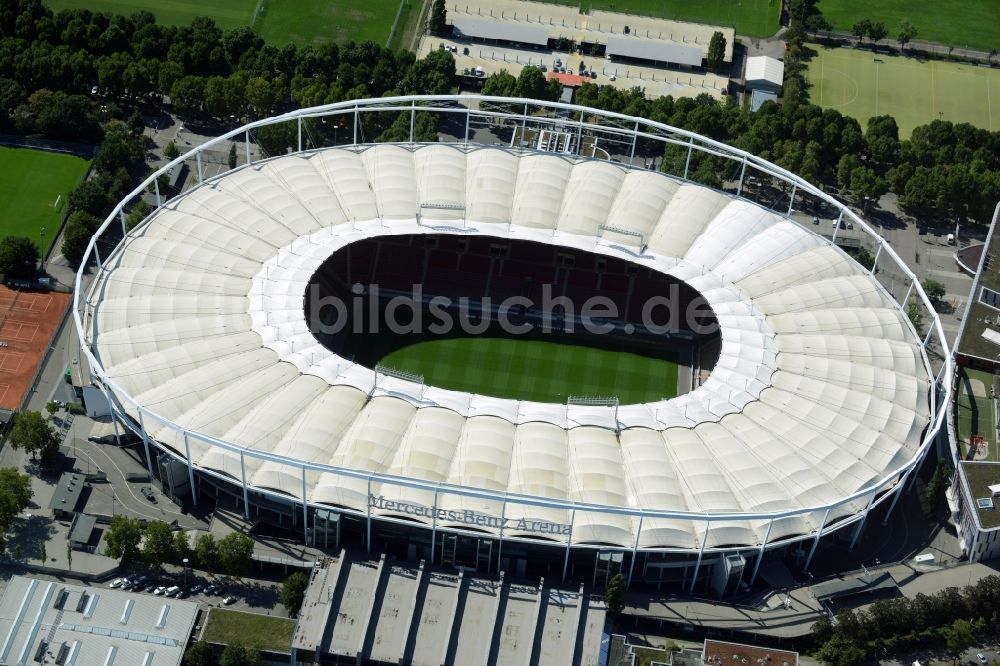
point(278, 21)
point(316, 21)
point(976, 413)
point(31, 182)
point(753, 18)
point(227, 13)
point(956, 22)
point(863, 84)
point(535, 369)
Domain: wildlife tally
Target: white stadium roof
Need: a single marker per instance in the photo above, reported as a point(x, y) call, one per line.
point(820, 390)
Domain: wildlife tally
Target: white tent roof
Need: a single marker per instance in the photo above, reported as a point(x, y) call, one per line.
point(820, 388)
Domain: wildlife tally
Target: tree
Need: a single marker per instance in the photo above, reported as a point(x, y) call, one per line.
point(181, 546)
point(816, 23)
point(52, 407)
point(122, 538)
point(80, 227)
point(236, 553)
point(293, 591)
point(200, 654)
point(841, 651)
point(861, 29)
point(866, 184)
point(138, 213)
point(34, 434)
point(615, 595)
point(907, 32)
point(877, 32)
point(89, 197)
point(937, 487)
point(531, 83)
point(958, 637)
point(848, 163)
point(716, 51)
point(240, 655)
point(915, 316)
point(158, 543)
point(170, 150)
point(15, 496)
point(935, 290)
point(501, 84)
point(438, 21)
point(206, 552)
point(18, 257)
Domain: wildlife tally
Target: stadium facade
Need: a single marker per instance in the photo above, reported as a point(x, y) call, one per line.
point(818, 408)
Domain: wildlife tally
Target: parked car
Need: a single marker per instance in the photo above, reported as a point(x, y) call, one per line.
point(982, 658)
point(151, 589)
point(160, 590)
point(147, 492)
point(194, 589)
point(172, 591)
point(229, 600)
point(210, 590)
point(117, 582)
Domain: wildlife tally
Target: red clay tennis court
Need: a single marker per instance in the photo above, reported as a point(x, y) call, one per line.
point(28, 320)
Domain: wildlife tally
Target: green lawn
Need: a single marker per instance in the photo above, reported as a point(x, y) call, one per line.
point(227, 13)
point(974, 24)
point(264, 632)
point(317, 21)
point(29, 186)
point(751, 18)
point(535, 369)
point(975, 414)
point(861, 84)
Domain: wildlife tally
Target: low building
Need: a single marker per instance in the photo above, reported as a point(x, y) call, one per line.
point(81, 533)
point(712, 653)
point(765, 73)
point(66, 496)
point(50, 622)
point(977, 494)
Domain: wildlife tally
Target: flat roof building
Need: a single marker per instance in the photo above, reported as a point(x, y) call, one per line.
point(66, 495)
point(765, 73)
point(49, 622)
point(538, 23)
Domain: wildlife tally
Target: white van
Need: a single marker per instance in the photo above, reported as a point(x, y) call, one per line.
point(951, 239)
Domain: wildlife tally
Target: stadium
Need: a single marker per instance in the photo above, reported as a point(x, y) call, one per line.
point(804, 396)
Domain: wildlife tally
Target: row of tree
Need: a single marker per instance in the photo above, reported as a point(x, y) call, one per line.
point(944, 170)
point(201, 67)
point(158, 543)
point(924, 621)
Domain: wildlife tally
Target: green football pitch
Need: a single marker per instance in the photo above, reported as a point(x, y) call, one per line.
point(32, 181)
point(315, 21)
point(975, 412)
point(227, 13)
point(863, 84)
point(277, 21)
point(957, 22)
point(751, 18)
point(535, 369)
